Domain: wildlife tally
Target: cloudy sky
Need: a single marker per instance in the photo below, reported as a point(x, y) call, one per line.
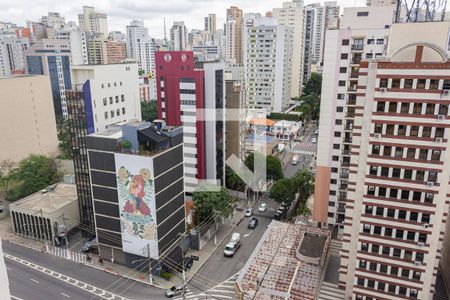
point(120, 12)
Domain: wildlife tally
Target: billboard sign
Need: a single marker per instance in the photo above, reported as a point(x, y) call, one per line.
point(136, 193)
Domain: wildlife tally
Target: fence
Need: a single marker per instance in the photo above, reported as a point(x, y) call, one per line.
point(66, 253)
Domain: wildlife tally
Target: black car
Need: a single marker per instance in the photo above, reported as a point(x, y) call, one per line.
point(188, 262)
point(253, 223)
point(278, 215)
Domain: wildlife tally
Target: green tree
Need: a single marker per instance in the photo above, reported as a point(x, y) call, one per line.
point(6, 173)
point(273, 165)
point(303, 182)
point(313, 84)
point(303, 210)
point(233, 181)
point(207, 201)
point(149, 110)
point(65, 143)
point(35, 173)
point(283, 191)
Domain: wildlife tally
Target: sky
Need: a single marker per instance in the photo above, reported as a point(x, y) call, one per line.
point(121, 12)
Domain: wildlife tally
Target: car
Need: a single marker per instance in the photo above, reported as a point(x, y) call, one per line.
point(278, 215)
point(317, 132)
point(253, 223)
point(295, 159)
point(262, 207)
point(174, 291)
point(281, 209)
point(233, 245)
point(248, 212)
point(314, 140)
point(188, 262)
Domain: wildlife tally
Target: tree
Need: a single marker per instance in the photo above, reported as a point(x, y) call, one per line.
point(273, 166)
point(6, 173)
point(283, 191)
point(149, 110)
point(233, 181)
point(35, 173)
point(65, 143)
point(313, 84)
point(303, 182)
point(208, 200)
point(303, 210)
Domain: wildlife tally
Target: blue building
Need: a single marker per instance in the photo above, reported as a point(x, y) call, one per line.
point(52, 57)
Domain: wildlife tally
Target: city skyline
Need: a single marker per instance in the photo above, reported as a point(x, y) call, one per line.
point(120, 12)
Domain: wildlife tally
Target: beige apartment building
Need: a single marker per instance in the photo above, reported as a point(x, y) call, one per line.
point(27, 117)
point(397, 201)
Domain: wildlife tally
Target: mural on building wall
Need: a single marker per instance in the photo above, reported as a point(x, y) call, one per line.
point(136, 191)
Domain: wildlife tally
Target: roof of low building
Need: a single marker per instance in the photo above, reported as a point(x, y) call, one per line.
point(48, 200)
point(259, 121)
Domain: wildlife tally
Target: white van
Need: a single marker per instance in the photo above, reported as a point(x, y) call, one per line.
point(233, 245)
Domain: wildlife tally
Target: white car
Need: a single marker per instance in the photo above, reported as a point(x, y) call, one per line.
point(295, 160)
point(314, 140)
point(317, 132)
point(262, 207)
point(248, 212)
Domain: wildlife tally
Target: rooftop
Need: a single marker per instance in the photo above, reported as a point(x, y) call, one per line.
point(258, 121)
point(50, 199)
point(275, 271)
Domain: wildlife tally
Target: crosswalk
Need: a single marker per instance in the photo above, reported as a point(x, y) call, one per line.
point(303, 152)
point(226, 291)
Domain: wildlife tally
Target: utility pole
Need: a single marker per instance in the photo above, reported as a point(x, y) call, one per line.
point(150, 275)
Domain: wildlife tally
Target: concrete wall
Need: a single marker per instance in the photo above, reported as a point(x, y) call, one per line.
point(27, 117)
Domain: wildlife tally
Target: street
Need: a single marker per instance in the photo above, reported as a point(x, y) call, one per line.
point(219, 269)
point(305, 150)
point(63, 279)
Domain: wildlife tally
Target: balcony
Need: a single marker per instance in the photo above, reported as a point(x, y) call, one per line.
point(342, 198)
point(350, 114)
point(354, 75)
point(345, 152)
point(357, 47)
point(341, 209)
point(348, 140)
point(343, 187)
point(345, 164)
point(352, 88)
point(351, 102)
point(343, 176)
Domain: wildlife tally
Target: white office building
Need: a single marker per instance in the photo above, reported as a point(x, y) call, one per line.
point(11, 54)
point(93, 22)
point(112, 92)
point(179, 36)
point(267, 65)
point(292, 15)
point(140, 46)
point(78, 47)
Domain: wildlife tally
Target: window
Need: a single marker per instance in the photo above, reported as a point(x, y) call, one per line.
point(117, 99)
point(396, 83)
point(411, 153)
point(336, 146)
point(104, 101)
point(405, 194)
point(345, 42)
point(393, 193)
point(384, 82)
point(402, 214)
point(404, 109)
point(426, 132)
point(380, 41)
point(370, 41)
point(443, 109)
point(112, 113)
point(410, 235)
point(381, 286)
point(390, 129)
point(392, 107)
point(118, 112)
point(342, 70)
point(106, 115)
point(430, 109)
point(364, 247)
point(373, 170)
point(375, 249)
point(398, 152)
point(414, 131)
point(373, 266)
point(362, 264)
point(413, 216)
point(396, 172)
point(417, 108)
point(362, 14)
point(421, 83)
point(392, 288)
point(408, 84)
point(341, 96)
point(420, 175)
point(344, 55)
point(338, 122)
point(380, 212)
point(377, 231)
point(335, 158)
point(413, 293)
point(371, 190)
point(399, 233)
point(446, 85)
point(434, 84)
point(384, 171)
point(337, 134)
point(383, 269)
point(110, 100)
point(439, 133)
point(401, 130)
point(366, 228)
point(405, 273)
point(341, 83)
point(386, 250)
point(369, 209)
point(407, 174)
point(381, 106)
point(122, 97)
point(382, 191)
point(378, 128)
point(123, 110)
point(391, 212)
point(339, 109)
point(361, 281)
point(402, 290)
point(369, 55)
point(417, 196)
point(436, 155)
point(394, 270)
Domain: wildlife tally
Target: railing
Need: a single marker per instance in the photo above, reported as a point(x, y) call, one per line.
point(345, 152)
point(357, 47)
point(348, 140)
point(343, 176)
point(350, 114)
point(351, 101)
point(352, 88)
point(354, 75)
point(356, 61)
point(341, 209)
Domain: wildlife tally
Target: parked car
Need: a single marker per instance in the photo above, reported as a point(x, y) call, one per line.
point(278, 215)
point(317, 132)
point(295, 159)
point(314, 140)
point(174, 291)
point(262, 207)
point(253, 223)
point(248, 212)
point(188, 262)
point(233, 245)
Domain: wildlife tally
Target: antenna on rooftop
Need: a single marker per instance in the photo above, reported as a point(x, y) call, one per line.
point(165, 34)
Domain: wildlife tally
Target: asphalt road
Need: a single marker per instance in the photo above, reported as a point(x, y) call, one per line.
point(219, 268)
point(289, 169)
point(20, 282)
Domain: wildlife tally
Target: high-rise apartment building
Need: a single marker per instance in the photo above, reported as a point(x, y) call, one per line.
point(179, 36)
point(103, 95)
point(79, 47)
point(363, 36)
point(52, 57)
point(397, 202)
point(318, 19)
point(93, 22)
point(267, 65)
point(11, 54)
point(140, 46)
point(96, 51)
point(27, 117)
point(180, 91)
point(117, 36)
point(54, 20)
point(210, 24)
point(292, 15)
point(234, 27)
point(116, 52)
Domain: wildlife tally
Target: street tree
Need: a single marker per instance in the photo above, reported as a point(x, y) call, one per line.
point(149, 110)
point(211, 200)
point(36, 172)
point(232, 180)
point(65, 143)
point(273, 166)
point(303, 183)
point(313, 84)
point(283, 191)
point(6, 173)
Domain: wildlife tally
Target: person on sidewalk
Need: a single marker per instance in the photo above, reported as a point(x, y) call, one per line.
point(112, 259)
point(100, 259)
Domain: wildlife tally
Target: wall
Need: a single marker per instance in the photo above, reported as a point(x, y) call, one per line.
point(27, 117)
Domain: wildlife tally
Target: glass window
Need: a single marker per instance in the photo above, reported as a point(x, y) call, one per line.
point(380, 106)
point(378, 128)
point(417, 108)
point(390, 129)
point(411, 236)
point(407, 174)
point(342, 70)
point(408, 84)
point(396, 172)
point(398, 152)
point(383, 268)
point(391, 212)
point(421, 83)
point(344, 55)
point(399, 233)
point(414, 131)
point(381, 286)
point(384, 171)
point(417, 196)
point(443, 109)
point(386, 250)
point(393, 193)
point(345, 42)
point(413, 216)
point(420, 175)
point(402, 214)
point(392, 107)
point(405, 194)
point(377, 231)
point(392, 288)
point(430, 109)
point(411, 153)
point(380, 212)
point(394, 270)
point(382, 191)
point(369, 209)
point(402, 290)
point(432, 176)
point(401, 130)
point(434, 84)
point(373, 266)
point(388, 232)
point(375, 249)
point(384, 82)
point(404, 108)
point(439, 132)
point(396, 83)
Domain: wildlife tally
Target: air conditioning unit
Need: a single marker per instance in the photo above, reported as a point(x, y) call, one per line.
point(377, 135)
point(383, 90)
point(445, 93)
point(371, 188)
point(418, 263)
point(419, 245)
point(442, 117)
point(438, 140)
point(376, 147)
point(424, 225)
point(429, 196)
point(429, 184)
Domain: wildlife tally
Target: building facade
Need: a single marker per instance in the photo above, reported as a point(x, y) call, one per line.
point(140, 47)
point(138, 186)
point(116, 52)
point(292, 15)
point(398, 185)
point(79, 47)
point(93, 22)
point(267, 65)
point(27, 107)
point(234, 27)
point(210, 24)
point(179, 36)
point(11, 54)
point(180, 91)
